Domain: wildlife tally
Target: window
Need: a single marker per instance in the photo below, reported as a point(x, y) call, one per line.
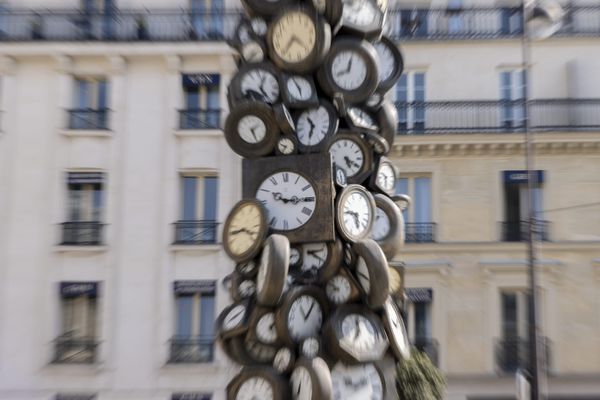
point(207, 18)
point(98, 19)
point(515, 205)
point(410, 95)
point(202, 99)
point(514, 313)
point(77, 341)
point(191, 396)
point(85, 208)
point(410, 22)
point(418, 219)
point(455, 19)
point(199, 199)
point(511, 20)
point(194, 321)
point(512, 93)
point(90, 109)
point(419, 320)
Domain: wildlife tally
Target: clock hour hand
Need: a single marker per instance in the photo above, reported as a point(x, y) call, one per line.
point(298, 86)
point(314, 254)
point(312, 127)
point(279, 197)
point(238, 231)
point(355, 215)
point(350, 163)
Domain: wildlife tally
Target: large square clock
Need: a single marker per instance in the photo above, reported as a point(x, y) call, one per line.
point(297, 193)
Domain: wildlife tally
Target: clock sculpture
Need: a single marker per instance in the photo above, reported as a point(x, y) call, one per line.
point(317, 309)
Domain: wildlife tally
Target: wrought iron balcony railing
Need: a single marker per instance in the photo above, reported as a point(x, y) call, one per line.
point(496, 116)
point(75, 350)
point(82, 233)
point(191, 349)
point(428, 346)
point(419, 232)
point(89, 119)
point(513, 353)
point(196, 232)
point(199, 119)
point(516, 231)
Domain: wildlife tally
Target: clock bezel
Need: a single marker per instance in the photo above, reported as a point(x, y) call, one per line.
point(320, 377)
point(367, 166)
point(294, 141)
point(251, 150)
point(290, 100)
point(339, 210)
point(262, 233)
point(330, 266)
point(257, 313)
point(235, 87)
point(278, 384)
point(388, 121)
point(284, 119)
point(278, 258)
point(393, 241)
point(374, 185)
point(399, 352)
point(377, 265)
point(238, 330)
point(329, 135)
point(388, 83)
point(370, 31)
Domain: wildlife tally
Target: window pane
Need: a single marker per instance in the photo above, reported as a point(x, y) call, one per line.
point(422, 328)
point(102, 94)
point(211, 187)
point(82, 90)
point(207, 315)
point(184, 315)
point(74, 202)
point(189, 197)
point(509, 315)
point(212, 97)
point(97, 203)
point(192, 99)
point(422, 200)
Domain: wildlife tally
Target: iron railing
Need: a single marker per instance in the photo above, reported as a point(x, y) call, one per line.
point(191, 349)
point(195, 118)
point(82, 233)
point(89, 119)
point(419, 232)
point(428, 346)
point(120, 25)
point(496, 116)
point(516, 231)
point(75, 350)
point(196, 232)
point(482, 23)
point(513, 353)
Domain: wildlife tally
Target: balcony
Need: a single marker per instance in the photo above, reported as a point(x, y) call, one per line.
point(117, 26)
point(80, 233)
point(513, 353)
point(88, 119)
point(496, 116)
point(72, 350)
point(428, 346)
point(196, 232)
point(517, 231)
point(199, 119)
point(419, 232)
point(191, 349)
point(482, 23)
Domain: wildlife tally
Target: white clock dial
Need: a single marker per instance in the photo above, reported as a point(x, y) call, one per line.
point(262, 82)
point(362, 274)
point(294, 255)
point(361, 118)
point(338, 289)
point(348, 156)
point(381, 225)
point(304, 318)
point(314, 256)
point(313, 124)
point(234, 317)
point(301, 384)
point(310, 347)
point(282, 359)
point(360, 12)
point(289, 198)
point(265, 328)
point(359, 382)
point(259, 26)
point(397, 328)
point(285, 146)
point(247, 288)
point(349, 70)
point(252, 52)
point(386, 178)
point(251, 129)
point(299, 88)
point(387, 62)
point(247, 267)
point(359, 331)
point(255, 388)
point(357, 214)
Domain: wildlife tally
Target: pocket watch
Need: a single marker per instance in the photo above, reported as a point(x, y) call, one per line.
point(311, 380)
point(301, 314)
point(371, 272)
point(394, 325)
point(261, 326)
point(391, 63)
point(315, 126)
point(257, 383)
point(233, 320)
point(355, 212)
point(286, 145)
point(273, 270)
point(298, 40)
point(350, 153)
point(342, 288)
point(388, 227)
point(284, 360)
point(320, 261)
point(244, 230)
point(251, 130)
point(298, 91)
point(387, 117)
point(296, 192)
point(255, 81)
point(361, 17)
point(354, 334)
point(350, 69)
point(284, 119)
point(385, 176)
point(360, 120)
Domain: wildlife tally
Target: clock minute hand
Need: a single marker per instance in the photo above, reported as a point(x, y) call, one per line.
point(278, 196)
point(350, 163)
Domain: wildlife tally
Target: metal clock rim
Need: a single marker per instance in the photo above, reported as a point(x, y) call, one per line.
point(339, 209)
point(366, 168)
point(255, 249)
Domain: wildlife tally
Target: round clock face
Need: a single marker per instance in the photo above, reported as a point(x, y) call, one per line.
point(356, 214)
point(349, 70)
point(301, 384)
point(247, 288)
point(313, 126)
point(265, 328)
point(387, 62)
point(255, 388)
point(262, 82)
point(304, 318)
point(294, 256)
point(285, 146)
point(314, 256)
point(283, 360)
point(360, 12)
point(247, 268)
point(386, 177)
point(362, 274)
point(259, 26)
point(310, 347)
point(347, 155)
point(252, 52)
point(251, 129)
point(360, 331)
point(234, 317)
point(397, 330)
point(361, 118)
point(338, 289)
point(359, 382)
point(243, 229)
point(289, 199)
point(299, 87)
point(381, 225)
point(294, 36)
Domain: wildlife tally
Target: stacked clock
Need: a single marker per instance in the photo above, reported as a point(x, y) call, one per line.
point(317, 308)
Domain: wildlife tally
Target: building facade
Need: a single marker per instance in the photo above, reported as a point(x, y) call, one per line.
point(115, 177)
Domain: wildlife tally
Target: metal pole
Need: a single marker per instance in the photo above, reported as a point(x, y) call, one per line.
point(534, 369)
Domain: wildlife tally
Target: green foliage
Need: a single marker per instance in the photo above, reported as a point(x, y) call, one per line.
point(418, 379)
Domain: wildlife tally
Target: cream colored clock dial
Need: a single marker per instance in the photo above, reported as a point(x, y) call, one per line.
point(294, 37)
point(244, 229)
